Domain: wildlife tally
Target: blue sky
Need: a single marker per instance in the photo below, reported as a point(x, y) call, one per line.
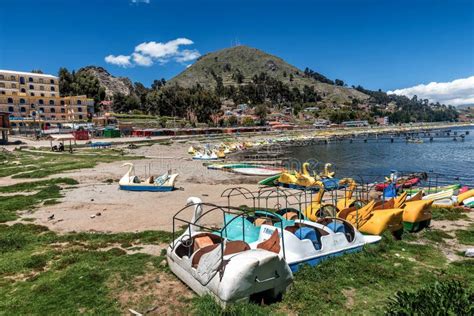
point(375, 43)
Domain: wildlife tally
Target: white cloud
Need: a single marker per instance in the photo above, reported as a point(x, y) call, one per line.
point(146, 53)
point(120, 60)
point(456, 92)
point(163, 50)
point(187, 55)
point(141, 60)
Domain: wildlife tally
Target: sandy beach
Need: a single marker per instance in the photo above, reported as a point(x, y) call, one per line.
point(98, 190)
point(136, 211)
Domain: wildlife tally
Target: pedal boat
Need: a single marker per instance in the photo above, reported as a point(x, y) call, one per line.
point(303, 241)
point(229, 270)
point(131, 182)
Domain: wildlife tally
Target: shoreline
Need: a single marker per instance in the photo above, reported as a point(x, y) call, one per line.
point(319, 134)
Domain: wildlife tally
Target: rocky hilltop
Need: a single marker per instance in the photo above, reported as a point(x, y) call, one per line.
point(109, 82)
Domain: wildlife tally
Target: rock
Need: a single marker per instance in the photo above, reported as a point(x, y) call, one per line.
point(469, 253)
point(110, 83)
point(98, 214)
point(92, 200)
point(92, 216)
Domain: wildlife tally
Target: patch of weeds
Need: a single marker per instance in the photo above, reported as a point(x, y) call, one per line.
point(34, 186)
point(466, 236)
point(77, 280)
point(51, 202)
point(450, 214)
point(435, 235)
point(207, 306)
point(439, 298)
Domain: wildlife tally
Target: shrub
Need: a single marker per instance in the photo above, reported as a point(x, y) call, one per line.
point(441, 298)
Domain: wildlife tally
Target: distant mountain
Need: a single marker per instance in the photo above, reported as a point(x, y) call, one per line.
point(110, 83)
point(238, 65)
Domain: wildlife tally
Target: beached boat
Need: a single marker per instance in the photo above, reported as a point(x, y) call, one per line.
point(256, 171)
point(206, 155)
point(446, 194)
point(228, 270)
point(303, 242)
point(431, 190)
point(401, 183)
point(270, 181)
point(131, 182)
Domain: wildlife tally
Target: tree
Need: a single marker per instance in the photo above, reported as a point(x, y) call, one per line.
point(261, 111)
point(339, 82)
point(247, 121)
point(37, 71)
point(232, 120)
point(119, 102)
point(66, 80)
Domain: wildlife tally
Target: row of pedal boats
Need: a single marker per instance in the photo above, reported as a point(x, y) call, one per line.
point(254, 252)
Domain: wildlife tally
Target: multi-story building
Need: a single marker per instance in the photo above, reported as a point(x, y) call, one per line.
point(27, 95)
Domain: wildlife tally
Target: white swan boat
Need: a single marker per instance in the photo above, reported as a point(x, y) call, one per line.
point(206, 155)
point(230, 271)
point(131, 182)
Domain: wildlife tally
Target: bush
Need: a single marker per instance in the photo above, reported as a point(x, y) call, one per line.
point(441, 298)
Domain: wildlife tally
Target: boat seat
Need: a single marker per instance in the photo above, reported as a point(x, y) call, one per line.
point(150, 180)
point(202, 241)
point(235, 246)
point(309, 233)
point(198, 254)
point(336, 227)
point(290, 215)
point(271, 244)
point(262, 221)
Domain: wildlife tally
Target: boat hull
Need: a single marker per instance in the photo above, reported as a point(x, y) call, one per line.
point(295, 266)
point(146, 188)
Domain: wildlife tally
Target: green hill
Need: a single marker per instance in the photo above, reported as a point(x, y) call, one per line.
point(238, 65)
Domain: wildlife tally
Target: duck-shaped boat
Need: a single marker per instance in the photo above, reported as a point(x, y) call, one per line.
point(131, 182)
point(228, 270)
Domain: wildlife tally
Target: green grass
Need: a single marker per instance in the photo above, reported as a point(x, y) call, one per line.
point(435, 235)
point(450, 214)
point(47, 191)
point(466, 237)
point(44, 273)
point(43, 164)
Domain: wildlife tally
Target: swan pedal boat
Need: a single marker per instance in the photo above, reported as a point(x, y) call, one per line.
point(230, 271)
point(131, 182)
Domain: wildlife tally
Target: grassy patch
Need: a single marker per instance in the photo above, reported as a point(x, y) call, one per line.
point(48, 191)
point(24, 164)
point(440, 298)
point(450, 214)
point(435, 235)
point(44, 273)
point(466, 237)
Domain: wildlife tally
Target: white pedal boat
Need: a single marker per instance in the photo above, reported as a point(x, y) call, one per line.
point(205, 156)
point(230, 271)
point(311, 243)
point(130, 182)
point(443, 195)
point(306, 242)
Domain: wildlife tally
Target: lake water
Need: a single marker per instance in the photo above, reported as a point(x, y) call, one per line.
point(452, 160)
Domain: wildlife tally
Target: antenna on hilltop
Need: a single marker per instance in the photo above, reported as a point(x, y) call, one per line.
point(235, 42)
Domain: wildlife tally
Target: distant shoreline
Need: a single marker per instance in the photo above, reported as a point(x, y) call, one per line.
point(314, 133)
